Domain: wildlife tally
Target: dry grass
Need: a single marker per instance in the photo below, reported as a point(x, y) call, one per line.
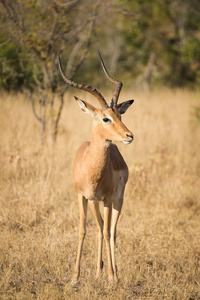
point(158, 244)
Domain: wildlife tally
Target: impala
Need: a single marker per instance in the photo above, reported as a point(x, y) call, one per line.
point(99, 171)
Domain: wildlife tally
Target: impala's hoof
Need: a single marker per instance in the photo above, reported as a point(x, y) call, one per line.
point(102, 264)
point(74, 283)
point(116, 278)
point(111, 278)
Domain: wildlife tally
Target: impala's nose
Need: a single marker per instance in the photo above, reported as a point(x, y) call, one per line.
point(129, 140)
point(130, 136)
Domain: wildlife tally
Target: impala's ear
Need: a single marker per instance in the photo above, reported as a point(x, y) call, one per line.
point(122, 107)
point(86, 107)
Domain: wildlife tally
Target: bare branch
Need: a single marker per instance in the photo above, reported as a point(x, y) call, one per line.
point(59, 111)
point(77, 46)
point(73, 54)
point(4, 43)
point(14, 15)
point(88, 41)
point(144, 80)
point(68, 5)
point(33, 107)
point(37, 81)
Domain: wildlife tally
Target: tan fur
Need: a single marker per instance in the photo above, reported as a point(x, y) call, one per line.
point(100, 174)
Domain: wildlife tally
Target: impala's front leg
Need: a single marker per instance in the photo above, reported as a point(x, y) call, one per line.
point(94, 205)
point(107, 221)
point(82, 231)
point(115, 215)
point(117, 206)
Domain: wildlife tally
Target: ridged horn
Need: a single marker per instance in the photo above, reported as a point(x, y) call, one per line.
point(83, 87)
point(117, 83)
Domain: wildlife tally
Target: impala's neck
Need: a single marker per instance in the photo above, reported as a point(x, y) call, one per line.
point(98, 153)
point(98, 140)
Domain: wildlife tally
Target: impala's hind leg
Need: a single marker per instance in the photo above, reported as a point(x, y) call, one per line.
point(94, 205)
point(118, 196)
point(82, 231)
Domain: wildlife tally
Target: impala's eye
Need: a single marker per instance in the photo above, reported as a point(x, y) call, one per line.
point(106, 120)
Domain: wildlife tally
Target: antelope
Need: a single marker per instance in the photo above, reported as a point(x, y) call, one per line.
point(99, 171)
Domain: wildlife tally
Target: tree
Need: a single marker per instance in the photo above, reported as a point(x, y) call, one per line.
point(167, 29)
point(37, 31)
point(151, 42)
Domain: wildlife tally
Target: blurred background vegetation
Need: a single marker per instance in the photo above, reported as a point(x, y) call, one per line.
point(143, 42)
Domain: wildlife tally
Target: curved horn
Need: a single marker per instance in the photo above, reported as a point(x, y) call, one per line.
point(83, 87)
point(117, 83)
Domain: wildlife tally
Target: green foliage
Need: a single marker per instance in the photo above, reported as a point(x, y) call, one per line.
point(170, 30)
point(128, 36)
point(9, 68)
point(191, 52)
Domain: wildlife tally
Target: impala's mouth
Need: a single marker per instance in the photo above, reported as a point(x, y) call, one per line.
point(129, 140)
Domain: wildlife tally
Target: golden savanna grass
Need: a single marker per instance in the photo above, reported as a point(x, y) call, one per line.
point(158, 236)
